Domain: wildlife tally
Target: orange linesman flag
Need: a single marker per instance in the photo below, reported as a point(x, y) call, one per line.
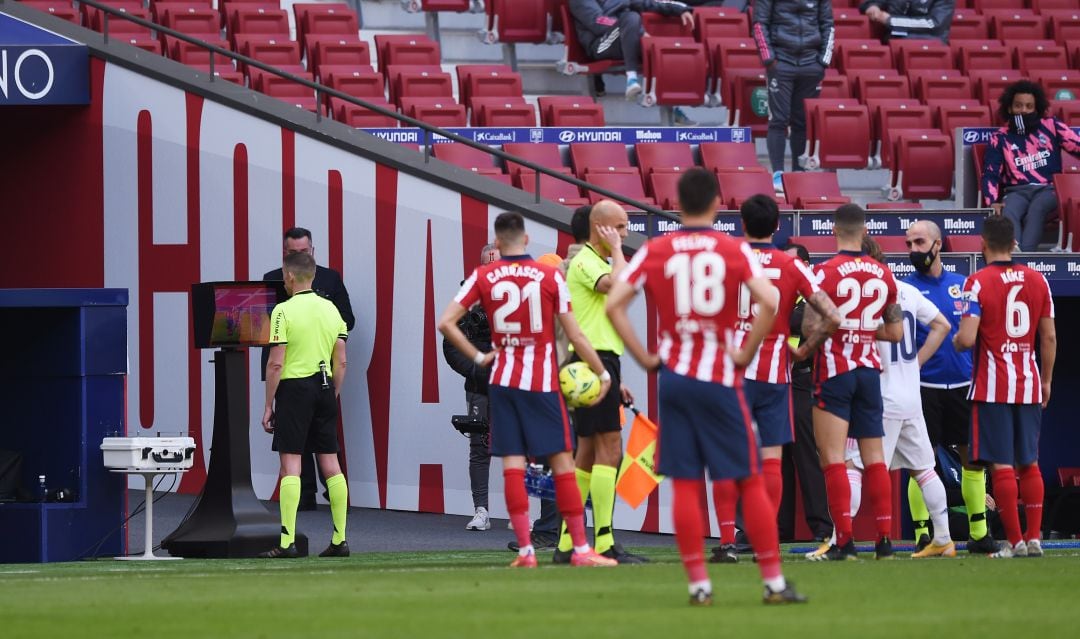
point(637, 477)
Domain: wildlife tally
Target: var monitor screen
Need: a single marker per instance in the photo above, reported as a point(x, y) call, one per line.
point(234, 314)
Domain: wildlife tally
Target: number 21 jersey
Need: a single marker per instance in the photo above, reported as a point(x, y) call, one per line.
point(693, 277)
point(861, 287)
point(1009, 299)
point(521, 297)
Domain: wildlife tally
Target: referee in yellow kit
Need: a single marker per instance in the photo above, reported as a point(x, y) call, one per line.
point(304, 375)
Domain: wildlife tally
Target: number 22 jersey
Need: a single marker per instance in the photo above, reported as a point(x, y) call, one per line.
point(861, 287)
point(693, 278)
point(521, 297)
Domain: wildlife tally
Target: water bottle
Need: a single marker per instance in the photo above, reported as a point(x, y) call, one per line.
point(43, 491)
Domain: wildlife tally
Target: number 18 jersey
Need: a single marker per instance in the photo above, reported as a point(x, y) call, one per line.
point(521, 297)
point(861, 287)
point(693, 277)
point(1009, 299)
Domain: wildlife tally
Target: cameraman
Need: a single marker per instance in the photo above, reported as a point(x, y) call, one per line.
point(476, 328)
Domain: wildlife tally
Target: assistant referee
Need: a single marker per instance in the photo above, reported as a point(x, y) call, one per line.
point(304, 376)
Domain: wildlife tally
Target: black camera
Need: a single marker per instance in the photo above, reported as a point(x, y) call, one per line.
point(474, 324)
point(469, 424)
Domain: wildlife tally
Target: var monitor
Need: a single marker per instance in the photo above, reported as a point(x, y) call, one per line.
point(233, 314)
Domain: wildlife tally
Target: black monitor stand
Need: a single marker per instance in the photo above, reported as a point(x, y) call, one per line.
point(229, 521)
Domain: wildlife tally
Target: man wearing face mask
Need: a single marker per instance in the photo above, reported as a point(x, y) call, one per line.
point(945, 380)
point(1022, 158)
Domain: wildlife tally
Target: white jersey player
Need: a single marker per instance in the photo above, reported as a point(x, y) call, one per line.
point(906, 442)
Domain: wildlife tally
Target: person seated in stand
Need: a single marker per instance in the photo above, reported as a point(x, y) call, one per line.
point(915, 19)
point(612, 30)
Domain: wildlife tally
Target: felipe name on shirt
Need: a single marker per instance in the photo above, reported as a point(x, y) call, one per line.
point(693, 242)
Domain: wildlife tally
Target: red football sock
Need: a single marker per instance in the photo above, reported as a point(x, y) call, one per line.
point(689, 523)
point(725, 500)
point(879, 492)
point(517, 504)
point(568, 501)
point(760, 520)
point(838, 491)
point(774, 482)
point(1005, 494)
point(1033, 492)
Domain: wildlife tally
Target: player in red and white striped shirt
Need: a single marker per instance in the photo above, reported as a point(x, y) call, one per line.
point(767, 384)
point(1007, 305)
point(523, 299)
point(693, 278)
point(847, 377)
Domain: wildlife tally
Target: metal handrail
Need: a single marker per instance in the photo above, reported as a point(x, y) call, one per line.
point(429, 130)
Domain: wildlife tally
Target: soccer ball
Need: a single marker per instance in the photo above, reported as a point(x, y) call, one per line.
point(579, 384)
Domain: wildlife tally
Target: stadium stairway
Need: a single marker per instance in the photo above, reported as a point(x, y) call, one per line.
point(536, 64)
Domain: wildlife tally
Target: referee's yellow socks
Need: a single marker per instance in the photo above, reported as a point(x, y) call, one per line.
point(288, 500)
point(338, 489)
point(584, 478)
point(602, 491)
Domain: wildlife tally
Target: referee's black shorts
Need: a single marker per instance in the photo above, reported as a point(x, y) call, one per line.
point(305, 416)
point(604, 417)
point(948, 415)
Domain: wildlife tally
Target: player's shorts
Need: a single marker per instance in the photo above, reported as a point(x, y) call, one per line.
point(531, 423)
point(704, 425)
point(305, 417)
point(1005, 433)
point(906, 445)
point(948, 414)
point(770, 407)
point(855, 397)
point(604, 417)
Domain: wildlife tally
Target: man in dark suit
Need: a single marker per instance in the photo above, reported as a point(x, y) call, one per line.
point(327, 284)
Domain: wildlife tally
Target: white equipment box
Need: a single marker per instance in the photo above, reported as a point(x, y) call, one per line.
point(148, 453)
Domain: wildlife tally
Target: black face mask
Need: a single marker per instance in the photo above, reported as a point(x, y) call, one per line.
point(922, 260)
point(1025, 124)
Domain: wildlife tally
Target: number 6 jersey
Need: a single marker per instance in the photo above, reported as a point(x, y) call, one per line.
point(1009, 299)
point(693, 278)
point(521, 297)
point(861, 287)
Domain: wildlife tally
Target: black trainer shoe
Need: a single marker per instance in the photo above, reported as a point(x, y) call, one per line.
point(724, 555)
point(336, 550)
point(924, 541)
point(277, 552)
point(701, 598)
point(982, 546)
point(786, 596)
point(838, 553)
point(883, 549)
point(619, 554)
point(562, 556)
point(540, 541)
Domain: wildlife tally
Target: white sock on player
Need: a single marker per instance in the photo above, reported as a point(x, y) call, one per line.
point(936, 502)
point(854, 478)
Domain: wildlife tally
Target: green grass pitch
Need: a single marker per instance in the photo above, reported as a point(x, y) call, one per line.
point(473, 594)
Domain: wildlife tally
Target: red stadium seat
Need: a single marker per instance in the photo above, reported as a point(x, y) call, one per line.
point(922, 54)
point(726, 54)
point(894, 206)
point(1068, 111)
point(190, 53)
point(153, 45)
point(280, 87)
point(816, 243)
point(510, 21)
point(748, 105)
point(269, 49)
point(894, 119)
point(412, 48)
point(711, 23)
point(891, 243)
point(1063, 25)
point(506, 111)
point(870, 84)
point(840, 137)
point(427, 80)
point(863, 54)
point(834, 86)
point(721, 156)
point(935, 84)
point(969, 25)
point(976, 54)
point(1015, 26)
point(1041, 7)
point(362, 82)
point(575, 115)
point(545, 154)
point(663, 157)
point(675, 71)
point(661, 26)
point(465, 156)
point(964, 243)
point(989, 83)
point(922, 165)
point(803, 188)
point(554, 189)
point(953, 114)
point(738, 186)
point(324, 19)
point(121, 27)
point(494, 84)
point(58, 9)
point(625, 184)
point(850, 24)
point(1031, 56)
point(585, 156)
point(464, 71)
point(1067, 186)
point(92, 17)
point(440, 112)
point(260, 20)
point(664, 189)
point(337, 49)
point(357, 116)
point(193, 21)
point(1059, 85)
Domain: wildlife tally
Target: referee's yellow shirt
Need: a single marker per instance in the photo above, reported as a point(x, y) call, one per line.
point(310, 326)
point(584, 272)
